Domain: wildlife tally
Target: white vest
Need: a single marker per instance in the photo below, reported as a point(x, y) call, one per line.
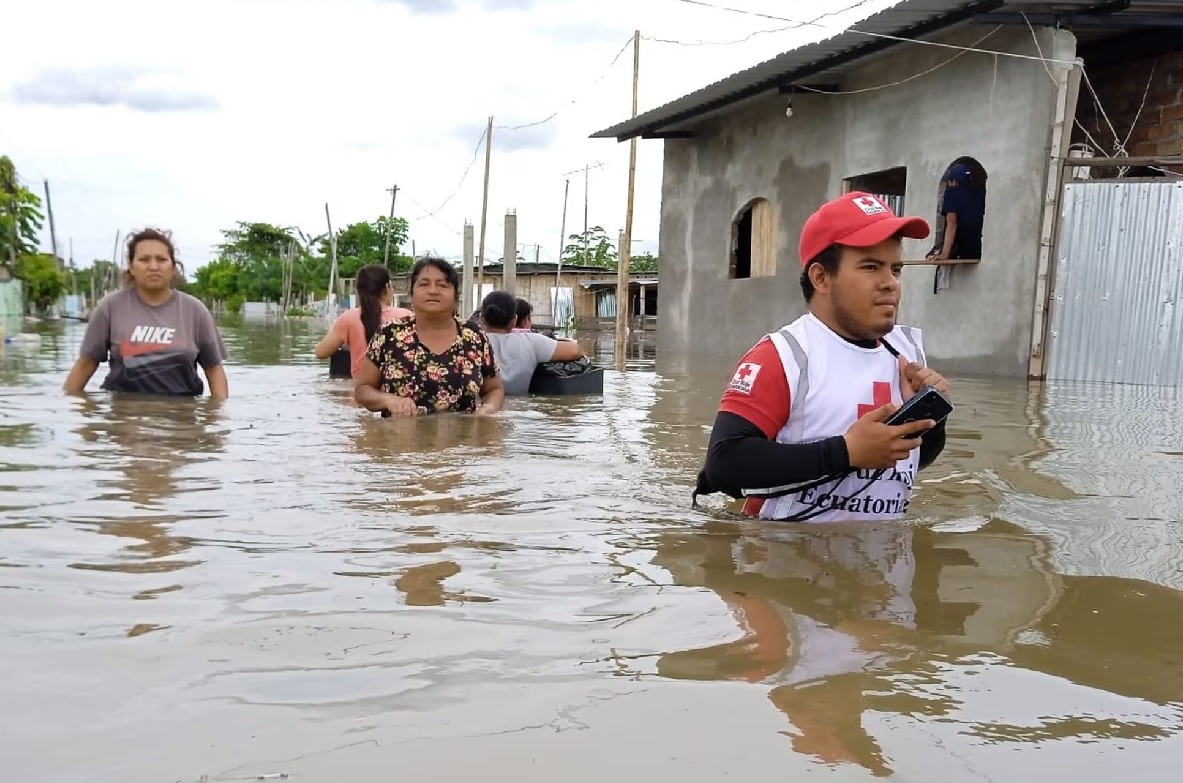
point(831, 382)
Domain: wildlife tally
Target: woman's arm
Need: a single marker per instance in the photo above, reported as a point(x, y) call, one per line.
point(96, 346)
point(328, 345)
point(333, 339)
point(492, 395)
point(219, 387)
point(366, 391)
point(80, 374)
point(566, 351)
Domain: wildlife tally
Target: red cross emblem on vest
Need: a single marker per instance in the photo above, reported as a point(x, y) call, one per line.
point(880, 396)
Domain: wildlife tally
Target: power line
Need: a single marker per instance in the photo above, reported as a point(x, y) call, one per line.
point(881, 36)
point(913, 77)
point(574, 100)
point(750, 36)
point(475, 154)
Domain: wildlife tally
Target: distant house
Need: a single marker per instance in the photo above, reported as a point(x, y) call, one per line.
point(585, 293)
point(1028, 96)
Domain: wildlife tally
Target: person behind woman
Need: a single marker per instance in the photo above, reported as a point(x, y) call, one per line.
point(153, 336)
point(519, 353)
point(430, 362)
point(525, 312)
point(355, 327)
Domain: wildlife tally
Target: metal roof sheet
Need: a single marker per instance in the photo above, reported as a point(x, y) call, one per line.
point(828, 60)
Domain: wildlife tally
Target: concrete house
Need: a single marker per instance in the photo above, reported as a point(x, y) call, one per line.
point(1073, 110)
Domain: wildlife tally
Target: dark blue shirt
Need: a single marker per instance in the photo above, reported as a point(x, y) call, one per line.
point(968, 202)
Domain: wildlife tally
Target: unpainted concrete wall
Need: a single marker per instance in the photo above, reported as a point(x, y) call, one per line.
point(997, 109)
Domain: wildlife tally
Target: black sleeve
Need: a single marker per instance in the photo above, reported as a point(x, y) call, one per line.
point(932, 443)
point(741, 457)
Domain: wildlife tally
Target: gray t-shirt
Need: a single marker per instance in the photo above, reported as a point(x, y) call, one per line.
point(153, 349)
point(518, 354)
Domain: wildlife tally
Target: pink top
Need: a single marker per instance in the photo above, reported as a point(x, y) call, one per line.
point(349, 328)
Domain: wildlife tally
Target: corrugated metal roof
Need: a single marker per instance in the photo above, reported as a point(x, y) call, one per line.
point(827, 61)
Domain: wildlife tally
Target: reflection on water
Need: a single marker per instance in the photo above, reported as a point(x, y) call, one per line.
point(282, 583)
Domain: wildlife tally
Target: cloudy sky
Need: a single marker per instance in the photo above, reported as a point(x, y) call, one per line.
point(263, 110)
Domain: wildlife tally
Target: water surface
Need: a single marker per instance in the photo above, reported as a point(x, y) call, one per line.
point(285, 584)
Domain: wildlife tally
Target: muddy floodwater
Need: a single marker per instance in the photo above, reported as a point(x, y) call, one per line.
point(285, 585)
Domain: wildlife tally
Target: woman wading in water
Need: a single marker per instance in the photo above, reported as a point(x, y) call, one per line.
point(355, 327)
point(153, 336)
point(431, 362)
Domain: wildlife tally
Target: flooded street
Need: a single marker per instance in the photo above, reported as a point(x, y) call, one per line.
point(286, 584)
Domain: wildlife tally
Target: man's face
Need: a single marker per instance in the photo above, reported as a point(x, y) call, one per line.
point(865, 293)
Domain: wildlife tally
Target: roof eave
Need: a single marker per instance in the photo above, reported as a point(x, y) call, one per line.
point(651, 124)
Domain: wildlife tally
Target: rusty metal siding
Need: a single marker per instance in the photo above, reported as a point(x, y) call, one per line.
point(1118, 283)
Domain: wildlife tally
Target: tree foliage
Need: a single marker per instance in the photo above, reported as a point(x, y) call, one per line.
point(20, 215)
point(642, 262)
point(44, 281)
point(250, 266)
point(594, 248)
point(590, 248)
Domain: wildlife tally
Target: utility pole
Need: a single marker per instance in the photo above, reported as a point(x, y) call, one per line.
point(393, 191)
point(509, 262)
point(586, 240)
point(625, 253)
point(554, 308)
point(331, 296)
point(53, 234)
point(480, 261)
point(466, 304)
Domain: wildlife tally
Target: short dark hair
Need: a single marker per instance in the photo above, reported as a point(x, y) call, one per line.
point(447, 270)
point(498, 309)
point(524, 309)
point(830, 259)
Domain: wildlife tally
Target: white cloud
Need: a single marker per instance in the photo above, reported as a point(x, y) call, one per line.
point(229, 110)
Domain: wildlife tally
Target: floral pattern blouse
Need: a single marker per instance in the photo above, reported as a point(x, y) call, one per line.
point(438, 382)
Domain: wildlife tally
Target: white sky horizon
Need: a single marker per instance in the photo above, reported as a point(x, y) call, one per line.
point(264, 110)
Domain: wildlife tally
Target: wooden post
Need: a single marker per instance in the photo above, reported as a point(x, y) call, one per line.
point(466, 303)
point(331, 297)
point(509, 261)
point(480, 261)
point(393, 195)
point(554, 305)
point(622, 264)
point(53, 234)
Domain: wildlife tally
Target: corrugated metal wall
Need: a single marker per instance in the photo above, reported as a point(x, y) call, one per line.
point(1118, 282)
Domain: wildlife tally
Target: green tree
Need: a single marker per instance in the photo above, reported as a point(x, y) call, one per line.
point(20, 215)
point(364, 243)
point(101, 271)
point(44, 281)
point(591, 248)
point(642, 262)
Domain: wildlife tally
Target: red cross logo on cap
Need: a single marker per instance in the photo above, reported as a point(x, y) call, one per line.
point(870, 205)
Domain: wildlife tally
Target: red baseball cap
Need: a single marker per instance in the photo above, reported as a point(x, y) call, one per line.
point(855, 219)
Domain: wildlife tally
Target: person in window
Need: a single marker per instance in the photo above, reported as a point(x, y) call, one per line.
point(355, 327)
point(800, 431)
point(430, 362)
point(518, 354)
point(153, 336)
point(964, 209)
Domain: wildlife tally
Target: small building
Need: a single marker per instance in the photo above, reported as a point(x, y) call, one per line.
point(1071, 110)
point(586, 294)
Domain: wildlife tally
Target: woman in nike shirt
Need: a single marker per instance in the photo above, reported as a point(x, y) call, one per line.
point(152, 336)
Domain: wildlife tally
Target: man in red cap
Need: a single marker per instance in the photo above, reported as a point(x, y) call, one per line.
point(800, 431)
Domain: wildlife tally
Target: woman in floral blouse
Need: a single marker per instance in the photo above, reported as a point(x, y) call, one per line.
point(431, 362)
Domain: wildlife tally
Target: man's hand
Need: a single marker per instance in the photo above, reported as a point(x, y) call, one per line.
point(872, 444)
point(401, 407)
point(913, 378)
